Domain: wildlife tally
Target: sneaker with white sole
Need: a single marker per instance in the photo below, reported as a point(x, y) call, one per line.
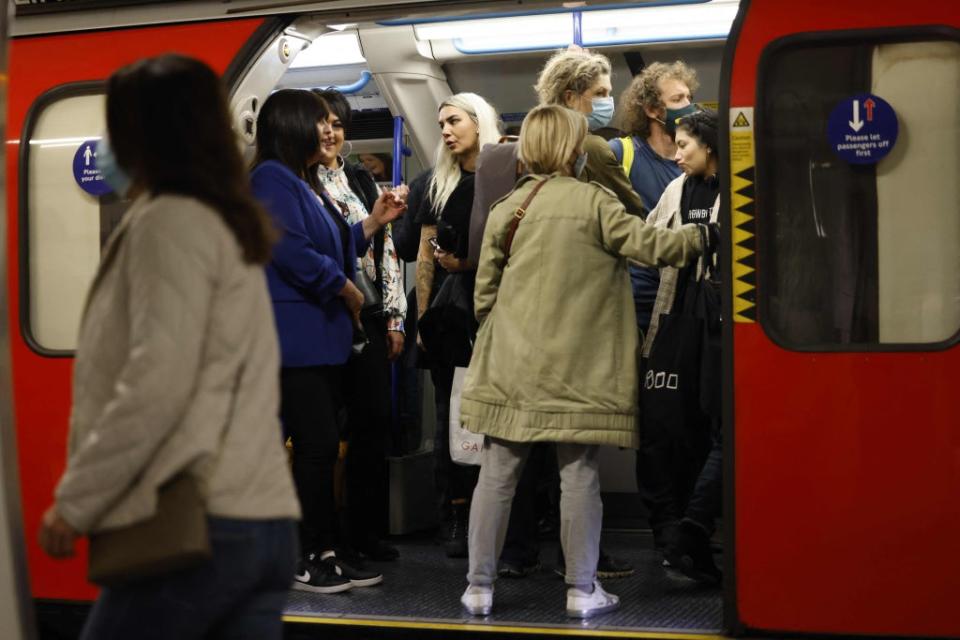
point(358, 576)
point(581, 604)
point(478, 600)
point(319, 577)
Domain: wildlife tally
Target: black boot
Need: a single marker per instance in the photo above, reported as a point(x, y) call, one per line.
point(457, 543)
point(692, 556)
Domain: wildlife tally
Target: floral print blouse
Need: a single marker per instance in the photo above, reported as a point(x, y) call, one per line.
point(335, 183)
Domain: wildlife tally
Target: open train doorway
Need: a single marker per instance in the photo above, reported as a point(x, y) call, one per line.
point(394, 74)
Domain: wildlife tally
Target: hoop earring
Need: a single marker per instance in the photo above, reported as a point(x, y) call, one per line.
point(350, 149)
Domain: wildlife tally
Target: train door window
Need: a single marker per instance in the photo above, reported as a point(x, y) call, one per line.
point(859, 256)
point(64, 227)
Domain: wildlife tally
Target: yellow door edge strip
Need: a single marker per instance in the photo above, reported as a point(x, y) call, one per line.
point(495, 628)
point(742, 176)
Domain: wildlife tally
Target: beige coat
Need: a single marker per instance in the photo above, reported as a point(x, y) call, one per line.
point(604, 168)
point(555, 358)
point(177, 342)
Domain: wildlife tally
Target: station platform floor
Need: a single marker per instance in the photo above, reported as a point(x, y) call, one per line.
point(422, 589)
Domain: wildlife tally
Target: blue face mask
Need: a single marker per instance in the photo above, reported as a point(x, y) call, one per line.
point(579, 165)
point(602, 113)
point(113, 175)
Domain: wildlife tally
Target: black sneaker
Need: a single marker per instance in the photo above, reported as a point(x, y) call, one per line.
point(319, 577)
point(510, 569)
point(691, 555)
point(357, 577)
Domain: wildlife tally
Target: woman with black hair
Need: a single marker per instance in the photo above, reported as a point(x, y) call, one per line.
point(688, 471)
point(355, 193)
point(174, 376)
point(317, 309)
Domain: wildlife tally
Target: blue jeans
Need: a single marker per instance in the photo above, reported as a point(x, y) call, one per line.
point(239, 593)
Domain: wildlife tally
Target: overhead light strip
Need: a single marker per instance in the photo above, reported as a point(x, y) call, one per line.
point(659, 23)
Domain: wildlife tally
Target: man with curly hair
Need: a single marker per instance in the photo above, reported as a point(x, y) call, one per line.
point(643, 107)
point(650, 150)
point(647, 155)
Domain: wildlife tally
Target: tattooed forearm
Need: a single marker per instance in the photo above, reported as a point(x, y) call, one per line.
point(425, 268)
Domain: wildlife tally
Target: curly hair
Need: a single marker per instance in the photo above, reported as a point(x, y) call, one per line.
point(644, 93)
point(567, 70)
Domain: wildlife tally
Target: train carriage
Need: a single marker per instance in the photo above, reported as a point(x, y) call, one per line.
point(840, 263)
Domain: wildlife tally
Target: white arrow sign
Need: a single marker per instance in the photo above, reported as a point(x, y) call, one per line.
point(856, 124)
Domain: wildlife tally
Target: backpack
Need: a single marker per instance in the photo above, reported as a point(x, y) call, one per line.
point(627, 161)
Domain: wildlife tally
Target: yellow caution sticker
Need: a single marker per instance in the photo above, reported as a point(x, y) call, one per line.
point(710, 105)
point(742, 176)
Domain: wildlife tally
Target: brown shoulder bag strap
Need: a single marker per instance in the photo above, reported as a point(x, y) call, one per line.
point(517, 217)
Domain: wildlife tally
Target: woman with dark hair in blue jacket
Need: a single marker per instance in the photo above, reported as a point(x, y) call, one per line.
point(316, 307)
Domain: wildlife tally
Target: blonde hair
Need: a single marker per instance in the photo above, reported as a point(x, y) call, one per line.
point(576, 71)
point(550, 136)
point(446, 170)
point(644, 93)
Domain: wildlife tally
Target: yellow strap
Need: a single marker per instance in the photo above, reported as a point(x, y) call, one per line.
point(627, 162)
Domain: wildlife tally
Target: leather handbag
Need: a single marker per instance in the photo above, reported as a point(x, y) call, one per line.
point(372, 298)
point(175, 538)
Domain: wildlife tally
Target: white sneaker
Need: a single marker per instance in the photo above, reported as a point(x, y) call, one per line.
point(585, 605)
point(478, 600)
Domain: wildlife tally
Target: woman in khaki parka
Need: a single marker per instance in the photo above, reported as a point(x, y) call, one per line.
point(556, 352)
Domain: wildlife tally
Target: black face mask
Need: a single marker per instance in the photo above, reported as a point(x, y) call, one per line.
point(673, 115)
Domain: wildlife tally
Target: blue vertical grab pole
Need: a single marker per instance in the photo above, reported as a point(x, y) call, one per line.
point(399, 151)
point(578, 28)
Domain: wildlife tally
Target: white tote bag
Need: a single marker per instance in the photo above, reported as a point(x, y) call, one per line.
point(465, 446)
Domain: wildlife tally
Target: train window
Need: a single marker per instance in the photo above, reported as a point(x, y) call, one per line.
point(64, 226)
point(859, 256)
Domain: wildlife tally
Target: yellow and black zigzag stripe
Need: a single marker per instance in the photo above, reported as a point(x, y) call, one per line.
point(744, 246)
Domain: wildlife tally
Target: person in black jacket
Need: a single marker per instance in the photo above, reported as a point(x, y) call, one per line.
point(365, 442)
point(441, 202)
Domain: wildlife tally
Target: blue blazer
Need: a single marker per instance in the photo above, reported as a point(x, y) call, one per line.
point(307, 270)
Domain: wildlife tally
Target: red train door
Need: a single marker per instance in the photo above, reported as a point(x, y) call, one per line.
point(55, 106)
point(843, 211)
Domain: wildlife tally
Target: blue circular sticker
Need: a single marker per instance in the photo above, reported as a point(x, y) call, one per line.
point(86, 172)
point(862, 129)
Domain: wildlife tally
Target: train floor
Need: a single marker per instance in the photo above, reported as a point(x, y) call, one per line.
point(422, 589)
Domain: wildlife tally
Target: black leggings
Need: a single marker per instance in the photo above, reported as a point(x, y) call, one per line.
point(311, 400)
point(368, 431)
